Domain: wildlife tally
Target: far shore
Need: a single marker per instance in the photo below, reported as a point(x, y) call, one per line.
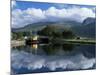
point(15, 43)
point(81, 41)
point(75, 41)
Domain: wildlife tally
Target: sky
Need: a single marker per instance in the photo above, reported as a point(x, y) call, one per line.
point(24, 13)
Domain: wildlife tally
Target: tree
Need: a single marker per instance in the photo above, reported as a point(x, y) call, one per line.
point(17, 35)
point(47, 31)
point(55, 32)
point(68, 34)
point(13, 36)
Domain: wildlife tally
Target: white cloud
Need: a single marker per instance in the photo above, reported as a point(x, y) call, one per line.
point(31, 15)
point(33, 62)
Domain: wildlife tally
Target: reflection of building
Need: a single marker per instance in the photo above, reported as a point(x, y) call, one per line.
point(35, 46)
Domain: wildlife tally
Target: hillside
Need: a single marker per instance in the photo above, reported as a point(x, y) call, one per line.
point(85, 29)
point(41, 25)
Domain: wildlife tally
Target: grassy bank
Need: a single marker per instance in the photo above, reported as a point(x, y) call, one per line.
point(81, 41)
point(15, 43)
point(74, 41)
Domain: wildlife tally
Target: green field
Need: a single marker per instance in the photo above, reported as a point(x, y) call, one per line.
point(78, 41)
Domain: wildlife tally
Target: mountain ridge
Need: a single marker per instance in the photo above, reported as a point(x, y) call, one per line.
point(85, 29)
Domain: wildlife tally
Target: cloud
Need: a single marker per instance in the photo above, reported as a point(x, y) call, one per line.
point(24, 17)
point(33, 62)
point(21, 18)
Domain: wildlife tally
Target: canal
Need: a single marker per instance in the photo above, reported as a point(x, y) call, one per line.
point(39, 58)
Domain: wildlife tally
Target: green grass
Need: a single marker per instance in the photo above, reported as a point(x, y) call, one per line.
point(82, 41)
point(74, 41)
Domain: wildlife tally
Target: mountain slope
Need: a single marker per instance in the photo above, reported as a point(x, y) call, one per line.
point(41, 25)
point(87, 29)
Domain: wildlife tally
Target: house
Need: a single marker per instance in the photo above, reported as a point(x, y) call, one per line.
point(37, 40)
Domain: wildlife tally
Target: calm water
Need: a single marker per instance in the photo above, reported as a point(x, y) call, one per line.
point(52, 57)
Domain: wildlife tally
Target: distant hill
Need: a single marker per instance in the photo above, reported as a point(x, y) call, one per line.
point(41, 25)
point(88, 21)
point(85, 29)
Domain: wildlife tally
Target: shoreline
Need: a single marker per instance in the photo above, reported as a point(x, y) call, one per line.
point(74, 41)
point(15, 43)
point(82, 41)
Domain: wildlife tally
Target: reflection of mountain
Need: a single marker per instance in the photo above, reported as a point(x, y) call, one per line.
point(47, 49)
point(30, 49)
point(57, 49)
point(47, 58)
point(85, 29)
point(34, 63)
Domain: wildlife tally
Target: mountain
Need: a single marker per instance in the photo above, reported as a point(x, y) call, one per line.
point(41, 25)
point(86, 29)
point(89, 20)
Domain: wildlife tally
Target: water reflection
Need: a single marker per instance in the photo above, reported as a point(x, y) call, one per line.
point(59, 49)
point(48, 49)
point(52, 57)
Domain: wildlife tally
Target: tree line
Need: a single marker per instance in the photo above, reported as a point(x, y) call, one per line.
point(50, 31)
